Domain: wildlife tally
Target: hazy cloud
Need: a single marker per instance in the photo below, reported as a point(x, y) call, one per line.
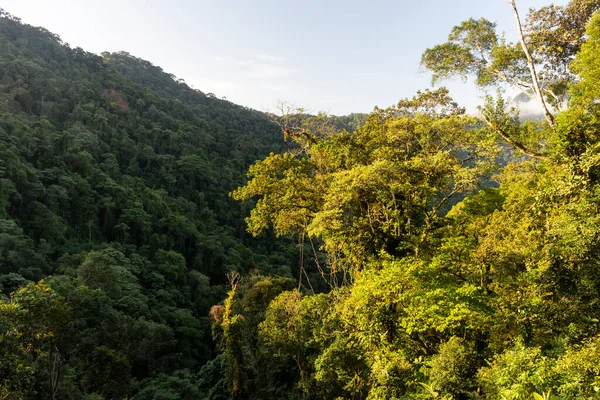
point(220, 87)
point(269, 71)
point(269, 58)
point(367, 74)
point(258, 66)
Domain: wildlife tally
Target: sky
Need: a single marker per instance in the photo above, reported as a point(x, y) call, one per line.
point(336, 56)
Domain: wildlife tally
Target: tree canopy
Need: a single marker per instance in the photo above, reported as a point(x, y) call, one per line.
point(417, 252)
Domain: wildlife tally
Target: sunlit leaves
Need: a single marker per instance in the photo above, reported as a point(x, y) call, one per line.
point(376, 190)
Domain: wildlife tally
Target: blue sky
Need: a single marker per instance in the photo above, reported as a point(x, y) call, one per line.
point(338, 56)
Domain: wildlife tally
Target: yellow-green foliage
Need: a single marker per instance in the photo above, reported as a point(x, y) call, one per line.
point(587, 64)
point(378, 190)
point(470, 278)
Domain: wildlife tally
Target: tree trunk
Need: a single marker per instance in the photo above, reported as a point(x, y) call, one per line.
point(534, 77)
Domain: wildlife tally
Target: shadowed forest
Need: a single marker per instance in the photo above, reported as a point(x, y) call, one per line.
point(160, 243)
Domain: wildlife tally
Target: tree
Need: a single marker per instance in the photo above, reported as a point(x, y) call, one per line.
point(539, 66)
point(35, 324)
point(535, 82)
point(586, 65)
point(381, 189)
point(231, 326)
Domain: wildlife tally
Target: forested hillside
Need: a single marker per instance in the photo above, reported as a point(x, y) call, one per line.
point(115, 219)
point(397, 255)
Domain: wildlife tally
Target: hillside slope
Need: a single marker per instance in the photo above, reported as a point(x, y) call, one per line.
point(114, 182)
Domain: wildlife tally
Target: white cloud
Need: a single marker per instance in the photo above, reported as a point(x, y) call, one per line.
point(530, 109)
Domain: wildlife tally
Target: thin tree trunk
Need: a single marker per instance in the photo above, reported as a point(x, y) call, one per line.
point(534, 77)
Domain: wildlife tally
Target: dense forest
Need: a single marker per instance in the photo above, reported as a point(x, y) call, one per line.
point(116, 228)
point(159, 243)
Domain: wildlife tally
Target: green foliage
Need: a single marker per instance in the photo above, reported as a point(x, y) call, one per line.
point(553, 35)
point(469, 46)
point(179, 385)
point(587, 65)
point(463, 284)
point(33, 324)
point(452, 367)
point(113, 188)
point(432, 261)
point(517, 374)
point(380, 189)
